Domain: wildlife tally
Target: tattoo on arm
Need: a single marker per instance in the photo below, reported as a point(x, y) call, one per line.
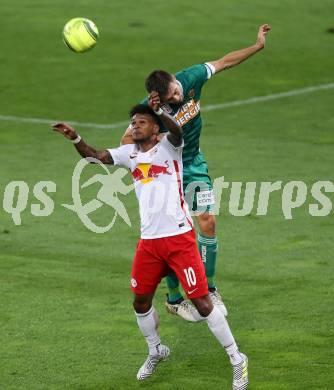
point(104, 156)
point(87, 151)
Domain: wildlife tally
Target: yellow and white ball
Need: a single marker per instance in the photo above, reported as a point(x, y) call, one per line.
point(80, 34)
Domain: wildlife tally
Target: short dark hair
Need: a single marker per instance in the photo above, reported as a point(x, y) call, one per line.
point(143, 109)
point(159, 81)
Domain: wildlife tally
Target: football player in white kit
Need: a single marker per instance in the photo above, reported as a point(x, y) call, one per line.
point(168, 240)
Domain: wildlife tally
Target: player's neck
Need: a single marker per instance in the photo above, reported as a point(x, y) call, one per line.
point(147, 145)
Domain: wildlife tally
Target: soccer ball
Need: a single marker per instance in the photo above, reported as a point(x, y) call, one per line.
point(80, 34)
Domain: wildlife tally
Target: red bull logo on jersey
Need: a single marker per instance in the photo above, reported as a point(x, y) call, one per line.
point(187, 112)
point(146, 172)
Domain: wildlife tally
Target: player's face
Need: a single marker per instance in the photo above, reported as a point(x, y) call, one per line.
point(143, 127)
point(174, 94)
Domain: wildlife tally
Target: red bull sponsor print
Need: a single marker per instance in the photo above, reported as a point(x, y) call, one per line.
point(146, 172)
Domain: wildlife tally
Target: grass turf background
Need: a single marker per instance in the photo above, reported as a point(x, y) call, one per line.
point(65, 306)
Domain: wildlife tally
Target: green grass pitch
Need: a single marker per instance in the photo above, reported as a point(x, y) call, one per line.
point(66, 320)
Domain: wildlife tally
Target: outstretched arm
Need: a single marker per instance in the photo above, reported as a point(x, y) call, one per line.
point(236, 57)
point(174, 134)
point(83, 149)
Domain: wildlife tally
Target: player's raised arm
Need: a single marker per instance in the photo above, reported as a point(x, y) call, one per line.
point(174, 134)
point(236, 57)
point(83, 149)
point(127, 137)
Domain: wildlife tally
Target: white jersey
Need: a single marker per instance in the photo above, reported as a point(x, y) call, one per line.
point(157, 176)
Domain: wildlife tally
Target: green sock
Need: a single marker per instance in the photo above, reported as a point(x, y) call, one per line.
point(173, 285)
point(208, 249)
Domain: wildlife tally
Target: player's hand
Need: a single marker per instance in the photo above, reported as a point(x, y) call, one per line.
point(154, 100)
point(66, 130)
point(261, 36)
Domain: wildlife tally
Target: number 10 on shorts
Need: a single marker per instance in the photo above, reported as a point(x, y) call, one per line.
point(190, 276)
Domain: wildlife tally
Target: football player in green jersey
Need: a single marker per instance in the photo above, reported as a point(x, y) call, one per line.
point(180, 96)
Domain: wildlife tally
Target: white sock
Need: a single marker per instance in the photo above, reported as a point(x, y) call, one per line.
point(219, 327)
point(148, 324)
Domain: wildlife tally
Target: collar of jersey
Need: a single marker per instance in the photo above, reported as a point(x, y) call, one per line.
point(145, 157)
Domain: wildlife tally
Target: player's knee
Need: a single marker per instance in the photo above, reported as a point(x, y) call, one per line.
point(142, 303)
point(207, 224)
point(203, 305)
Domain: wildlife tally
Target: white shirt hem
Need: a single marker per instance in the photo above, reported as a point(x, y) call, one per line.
point(184, 230)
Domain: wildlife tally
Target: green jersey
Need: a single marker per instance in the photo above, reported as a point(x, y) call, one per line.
point(187, 113)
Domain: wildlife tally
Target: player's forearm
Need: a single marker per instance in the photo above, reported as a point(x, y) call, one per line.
point(171, 125)
point(82, 148)
point(85, 150)
point(236, 57)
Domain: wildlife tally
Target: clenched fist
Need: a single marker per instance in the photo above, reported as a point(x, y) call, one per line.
point(261, 36)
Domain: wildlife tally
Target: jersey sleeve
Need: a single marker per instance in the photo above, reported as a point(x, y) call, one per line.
point(121, 155)
point(196, 75)
point(165, 143)
point(210, 69)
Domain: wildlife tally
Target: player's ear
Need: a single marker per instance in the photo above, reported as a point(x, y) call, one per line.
point(156, 129)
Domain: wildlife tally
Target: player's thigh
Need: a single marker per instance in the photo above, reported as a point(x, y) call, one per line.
point(197, 186)
point(184, 259)
point(148, 268)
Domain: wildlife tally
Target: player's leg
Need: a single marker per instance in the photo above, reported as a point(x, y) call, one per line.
point(202, 201)
point(218, 325)
point(175, 297)
point(175, 303)
point(186, 262)
point(208, 247)
point(174, 293)
point(147, 271)
point(199, 196)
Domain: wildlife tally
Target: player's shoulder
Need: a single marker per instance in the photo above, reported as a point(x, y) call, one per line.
point(123, 150)
point(166, 144)
point(122, 154)
point(128, 148)
point(191, 73)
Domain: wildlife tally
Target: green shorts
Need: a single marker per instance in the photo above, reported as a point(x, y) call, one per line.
point(197, 185)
